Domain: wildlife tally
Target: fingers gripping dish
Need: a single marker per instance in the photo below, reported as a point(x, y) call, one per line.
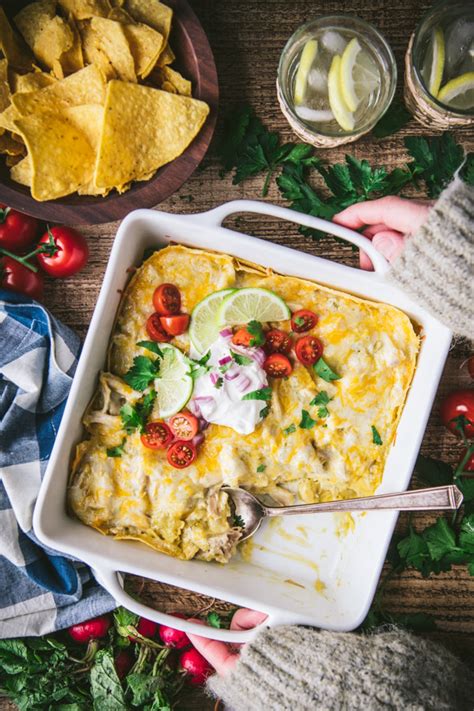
point(276, 384)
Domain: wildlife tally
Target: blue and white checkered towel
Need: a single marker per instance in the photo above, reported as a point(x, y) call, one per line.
point(40, 590)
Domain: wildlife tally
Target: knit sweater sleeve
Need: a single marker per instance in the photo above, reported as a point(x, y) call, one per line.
point(289, 668)
point(437, 263)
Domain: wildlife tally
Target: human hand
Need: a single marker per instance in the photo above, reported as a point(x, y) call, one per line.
point(387, 223)
point(223, 657)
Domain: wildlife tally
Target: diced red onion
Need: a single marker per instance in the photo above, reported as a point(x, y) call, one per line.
point(242, 383)
point(214, 377)
point(232, 373)
point(203, 424)
point(204, 400)
point(198, 439)
point(226, 332)
point(259, 356)
point(225, 360)
point(194, 408)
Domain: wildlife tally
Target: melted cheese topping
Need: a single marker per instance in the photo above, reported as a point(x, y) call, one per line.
point(184, 513)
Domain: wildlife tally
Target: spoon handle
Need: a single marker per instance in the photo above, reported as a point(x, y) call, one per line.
point(438, 497)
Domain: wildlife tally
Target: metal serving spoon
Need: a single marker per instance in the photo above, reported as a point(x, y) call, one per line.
point(251, 511)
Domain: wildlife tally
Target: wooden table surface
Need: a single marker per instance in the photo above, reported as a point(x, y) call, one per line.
point(247, 37)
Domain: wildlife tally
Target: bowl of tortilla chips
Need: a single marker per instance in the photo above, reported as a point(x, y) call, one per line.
point(105, 105)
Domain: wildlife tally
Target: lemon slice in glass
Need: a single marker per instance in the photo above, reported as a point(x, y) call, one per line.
point(341, 111)
point(433, 65)
point(459, 92)
point(359, 74)
point(205, 326)
point(308, 55)
point(253, 304)
point(174, 386)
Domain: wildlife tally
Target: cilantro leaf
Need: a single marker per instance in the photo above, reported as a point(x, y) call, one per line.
point(255, 329)
point(135, 417)
point(414, 552)
point(440, 539)
point(200, 367)
point(307, 421)
point(261, 467)
point(321, 399)
point(141, 373)
point(395, 118)
point(433, 471)
point(322, 369)
point(262, 394)
point(238, 522)
point(219, 383)
point(290, 429)
point(116, 451)
point(241, 359)
point(376, 438)
point(214, 619)
point(466, 535)
point(151, 346)
point(265, 411)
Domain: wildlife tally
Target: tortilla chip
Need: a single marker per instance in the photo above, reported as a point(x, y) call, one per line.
point(86, 86)
point(166, 57)
point(120, 15)
point(72, 60)
point(32, 81)
point(21, 172)
point(170, 80)
point(88, 118)
point(12, 46)
point(8, 118)
point(143, 129)
point(84, 9)
point(92, 52)
point(11, 147)
point(152, 13)
point(32, 20)
point(4, 85)
point(146, 45)
point(111, 40)
point(61, 157)
point(54, 41)
point(10, 161)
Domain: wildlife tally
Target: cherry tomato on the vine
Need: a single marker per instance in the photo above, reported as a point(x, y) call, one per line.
point(277, 365)
point(155, 330)
point(277, 341)
point(17, 231)
point(303, 320)
point(167, 299)
point(71, 253)
point(181, 454)
point(459, 404)
point(308, 350)
point(157, 435)
point(184, 425)
point(175, 325)
point(16, 277)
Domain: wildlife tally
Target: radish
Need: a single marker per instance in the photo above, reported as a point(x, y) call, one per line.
point(173, 638)
point(90, 629)
point(196, 667)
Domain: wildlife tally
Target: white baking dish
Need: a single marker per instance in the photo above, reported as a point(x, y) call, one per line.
point(314, 576)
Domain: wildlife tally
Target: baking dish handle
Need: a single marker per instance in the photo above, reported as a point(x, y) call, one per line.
point(112, 581)
point(216, 217)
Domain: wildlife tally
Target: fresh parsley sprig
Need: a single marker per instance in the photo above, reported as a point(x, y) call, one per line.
point(142, 372)
point(321, 401)
point(135, 416)
point(256, 331)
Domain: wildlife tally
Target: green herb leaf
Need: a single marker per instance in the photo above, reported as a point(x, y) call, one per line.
point(435, 160)
point(321, 399)
point(376, 438)
point(261, 468)
point(395, 118)
point(264, 412)
point(151, 346)
point(307, 421)
point(255, 329)
point(200, 367)
point(214, 619)
point(322, 369)
point(116, 451)
point(262, 394)
point(219, 383)
point(414, 552)
point(440, 539)
point(239, 522)
point(135, 417)
point(241, 359)
point(290, 429)
point(106, 690)
point(466, 535)
point(142, 372)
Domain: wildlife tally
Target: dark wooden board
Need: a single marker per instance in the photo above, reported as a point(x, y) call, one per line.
point(195, 60)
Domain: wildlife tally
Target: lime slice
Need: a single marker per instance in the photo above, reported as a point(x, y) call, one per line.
point(205, 326)
point(433, 65)
point(359, 74)
point(253, 304)
point(174, 386)
point(341, 111)
point(308, 55)
point(459, 92)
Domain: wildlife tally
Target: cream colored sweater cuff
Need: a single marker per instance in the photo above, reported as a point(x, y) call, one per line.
point(436, 267)
point(301, 669)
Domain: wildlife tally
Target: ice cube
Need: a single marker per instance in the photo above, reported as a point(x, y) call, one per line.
point(313, 115)
point(333, 42)
point(318, 80)
point(459, 38)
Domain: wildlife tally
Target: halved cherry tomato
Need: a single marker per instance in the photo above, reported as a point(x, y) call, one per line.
point(17, 277)
point(242, 337)
point(184, 425)
point(308, 350)
point(157, 435)
point(456, 404)
point(71, 253)
point(277, 341)
point(155, 330)
point(181, 454)
point(175, 325)
point(17, 230)
point(167, 299)
point(303, 320)
point(277, 365)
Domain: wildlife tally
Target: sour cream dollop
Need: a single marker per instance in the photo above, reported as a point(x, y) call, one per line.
point(218, 394)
